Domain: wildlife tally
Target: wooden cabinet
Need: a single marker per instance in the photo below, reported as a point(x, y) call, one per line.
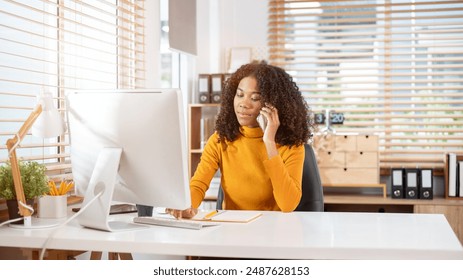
point(347, 159)
point(201, 121)
point(453, 213)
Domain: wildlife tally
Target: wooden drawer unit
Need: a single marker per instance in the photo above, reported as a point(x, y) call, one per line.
point(347, 159)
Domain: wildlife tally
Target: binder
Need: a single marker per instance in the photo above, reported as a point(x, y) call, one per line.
point(460, 179)
point(216, 88)
point(452, 170)
point(411, 183)
point(397, 185)
point(426, 184)
point(204, 88)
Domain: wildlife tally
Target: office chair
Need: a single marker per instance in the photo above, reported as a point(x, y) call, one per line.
point(312, 189)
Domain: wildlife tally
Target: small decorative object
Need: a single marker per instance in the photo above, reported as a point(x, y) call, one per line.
point(33, 179)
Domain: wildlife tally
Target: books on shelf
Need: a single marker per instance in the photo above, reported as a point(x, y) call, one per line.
point(454, 175)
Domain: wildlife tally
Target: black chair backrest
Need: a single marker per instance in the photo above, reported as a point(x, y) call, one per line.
point(312, 189)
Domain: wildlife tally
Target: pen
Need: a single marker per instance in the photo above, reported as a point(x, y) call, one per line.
point(209, 215)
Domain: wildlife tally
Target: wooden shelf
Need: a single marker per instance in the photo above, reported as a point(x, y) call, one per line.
point(378, 200)
point(197, 132)
point(379, 185)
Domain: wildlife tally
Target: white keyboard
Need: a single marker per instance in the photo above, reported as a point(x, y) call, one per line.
point(172, 222)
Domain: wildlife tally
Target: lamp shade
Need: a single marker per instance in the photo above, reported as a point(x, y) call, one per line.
point(50, 122)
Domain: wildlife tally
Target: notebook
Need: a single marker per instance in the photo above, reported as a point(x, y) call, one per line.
point(234, 216)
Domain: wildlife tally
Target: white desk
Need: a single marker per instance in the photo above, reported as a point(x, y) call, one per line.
point(297, 235)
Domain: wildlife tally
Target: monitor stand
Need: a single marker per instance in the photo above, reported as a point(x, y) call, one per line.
point(96, 214)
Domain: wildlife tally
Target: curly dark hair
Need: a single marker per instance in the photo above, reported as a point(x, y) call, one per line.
point(278, 89)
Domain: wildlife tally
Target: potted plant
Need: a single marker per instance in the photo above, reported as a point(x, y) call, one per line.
point(34, 181)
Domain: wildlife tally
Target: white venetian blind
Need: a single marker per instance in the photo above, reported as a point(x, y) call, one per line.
point(393, 67)
point(60, 46)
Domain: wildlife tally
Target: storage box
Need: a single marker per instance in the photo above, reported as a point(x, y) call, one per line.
point(347, 159)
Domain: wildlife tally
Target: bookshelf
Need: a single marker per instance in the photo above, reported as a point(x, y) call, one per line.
point(201, 120)
point(459, 157)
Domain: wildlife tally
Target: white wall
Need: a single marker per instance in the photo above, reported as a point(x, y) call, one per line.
point(152, 44)
point(223, 24)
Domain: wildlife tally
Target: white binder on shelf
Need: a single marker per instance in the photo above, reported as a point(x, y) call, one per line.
point(216, 88)
point(204, 88)
point(452, 174)
point(460, 178)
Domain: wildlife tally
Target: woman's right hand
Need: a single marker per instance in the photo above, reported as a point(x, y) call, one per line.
point(182, 214)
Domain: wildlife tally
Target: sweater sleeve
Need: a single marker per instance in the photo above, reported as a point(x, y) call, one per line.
point(285, 172)
point(205, 171)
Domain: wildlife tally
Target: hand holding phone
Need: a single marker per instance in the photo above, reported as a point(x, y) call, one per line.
point(262, 120)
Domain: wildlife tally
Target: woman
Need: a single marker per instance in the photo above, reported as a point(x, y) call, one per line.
point(260, 169)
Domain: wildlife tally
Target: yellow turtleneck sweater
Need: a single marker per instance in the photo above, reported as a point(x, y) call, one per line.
point(250, 180)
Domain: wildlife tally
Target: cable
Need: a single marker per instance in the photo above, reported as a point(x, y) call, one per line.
point(28, 220)
point(11, 221)
point(44, 246)
point(20, 218)
point(15, 144)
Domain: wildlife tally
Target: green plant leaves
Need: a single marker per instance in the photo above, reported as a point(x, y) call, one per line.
point(34, 180)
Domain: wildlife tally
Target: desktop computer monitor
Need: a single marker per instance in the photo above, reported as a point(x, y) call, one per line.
point(129, 145)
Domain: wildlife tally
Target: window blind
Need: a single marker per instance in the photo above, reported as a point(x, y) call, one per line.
point(394, 68)
point(58, 46)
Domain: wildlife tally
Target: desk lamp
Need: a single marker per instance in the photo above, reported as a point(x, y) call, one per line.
point(46, 122)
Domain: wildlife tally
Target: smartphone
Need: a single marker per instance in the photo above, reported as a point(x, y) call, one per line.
point(262, 120)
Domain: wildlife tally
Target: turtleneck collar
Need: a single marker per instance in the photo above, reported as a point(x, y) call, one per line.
point(254, 132)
